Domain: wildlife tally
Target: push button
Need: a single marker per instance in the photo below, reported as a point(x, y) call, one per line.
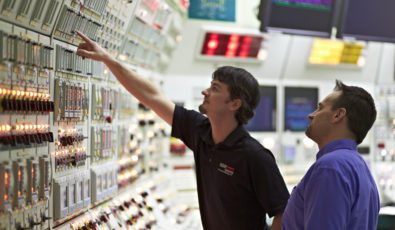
point(43, 137)
point(31, 138)
point(63, 141)
point(70, 140)
point(26, 105)
point(12, 140)
point(4, 140)
point(51, 106)
point(21, 105)
point(3, 104)
point(33, 106)
point(7, 104)
point(37, 137)
point(47, 106)
point(50, 136)
point(40, 106)
point(13, 105)
point(25, 138)
point(19, 139)
point(18, 105)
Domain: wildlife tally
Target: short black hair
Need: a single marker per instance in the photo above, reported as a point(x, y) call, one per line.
point(360, 107)
point(242, 85)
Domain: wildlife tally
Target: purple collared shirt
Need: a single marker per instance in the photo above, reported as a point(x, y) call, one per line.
point(337, 192)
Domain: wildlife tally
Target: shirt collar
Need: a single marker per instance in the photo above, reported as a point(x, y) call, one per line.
point(236, 135)
point(337, 144)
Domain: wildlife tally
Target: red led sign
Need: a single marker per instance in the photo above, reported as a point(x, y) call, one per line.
point(231, 45)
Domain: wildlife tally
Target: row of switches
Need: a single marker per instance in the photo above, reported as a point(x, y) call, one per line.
point(26, 139)
point(23, 105)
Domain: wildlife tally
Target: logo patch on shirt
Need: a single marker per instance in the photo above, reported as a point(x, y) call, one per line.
point(224, 168)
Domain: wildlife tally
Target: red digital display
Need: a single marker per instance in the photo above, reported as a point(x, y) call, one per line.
point(231, 45)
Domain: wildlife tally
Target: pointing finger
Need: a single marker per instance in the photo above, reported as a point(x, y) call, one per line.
point(84, 37)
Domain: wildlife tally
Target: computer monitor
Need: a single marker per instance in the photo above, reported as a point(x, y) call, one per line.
point(264, 119)
point(368, 20)
point(300, 17)
point(299, 102)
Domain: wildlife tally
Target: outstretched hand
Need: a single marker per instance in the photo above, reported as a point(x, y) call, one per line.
point(91, 49)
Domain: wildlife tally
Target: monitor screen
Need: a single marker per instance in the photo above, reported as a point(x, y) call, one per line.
point(264, 119)
point(300, 17)
point(299, 102)
point(369, 20)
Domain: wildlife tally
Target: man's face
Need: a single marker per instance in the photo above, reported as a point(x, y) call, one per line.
point(216, 99)
point(320, 119)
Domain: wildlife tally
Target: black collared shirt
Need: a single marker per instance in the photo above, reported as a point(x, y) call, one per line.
point(238, 181)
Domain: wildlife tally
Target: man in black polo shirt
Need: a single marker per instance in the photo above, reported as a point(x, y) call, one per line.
point(238, 179)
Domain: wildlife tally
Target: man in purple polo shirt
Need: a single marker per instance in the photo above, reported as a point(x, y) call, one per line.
point(338, 191)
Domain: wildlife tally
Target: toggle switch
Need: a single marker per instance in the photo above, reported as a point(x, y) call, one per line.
point(44, 177)
point(33, 180)
point(5, 187)
point(19, 178)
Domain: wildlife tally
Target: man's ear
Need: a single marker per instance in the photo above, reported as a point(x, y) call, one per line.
point(340, 114)
point(235, 104)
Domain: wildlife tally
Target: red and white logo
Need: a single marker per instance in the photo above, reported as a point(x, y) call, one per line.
point(224, 168)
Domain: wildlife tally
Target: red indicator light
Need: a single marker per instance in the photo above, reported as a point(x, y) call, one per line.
point(213, 35)
point(212, 44)
point(247, 40)
point(243, 54)
point(234, 38)
point(232, 46)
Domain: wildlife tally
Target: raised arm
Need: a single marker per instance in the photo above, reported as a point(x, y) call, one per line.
point(145, 91)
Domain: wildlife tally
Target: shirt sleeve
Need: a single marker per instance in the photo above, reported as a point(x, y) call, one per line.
point(327, 201)
point(185, 126)
point(268, 183)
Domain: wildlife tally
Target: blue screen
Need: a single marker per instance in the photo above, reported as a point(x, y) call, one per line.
point(265, 113)
point(298, 104)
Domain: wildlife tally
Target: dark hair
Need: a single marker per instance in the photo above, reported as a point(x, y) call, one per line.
point(242, 85)
point(359, 104)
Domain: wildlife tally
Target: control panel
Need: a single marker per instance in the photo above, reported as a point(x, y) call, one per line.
point(384, 145)
point(71, 137)
point(26, 105)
